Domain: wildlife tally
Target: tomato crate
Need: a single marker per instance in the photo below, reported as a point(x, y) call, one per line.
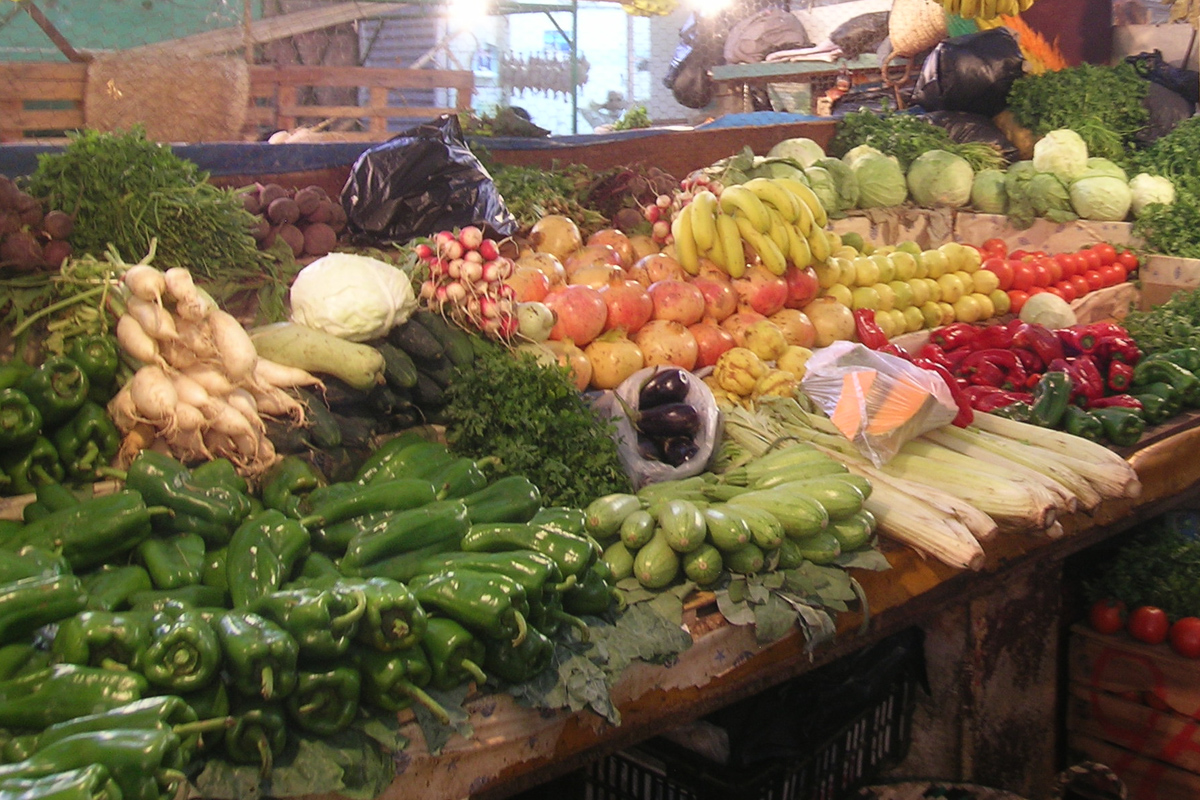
point(830, 730)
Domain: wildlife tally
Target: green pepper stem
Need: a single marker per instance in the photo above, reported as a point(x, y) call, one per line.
point(353, 615)
point(570, 581)
point(203, 725)
point(474, 670)
point(585, 633)
point(113, 665)
point(317, 703)
point(169, 777)
point(618, 598)
point(266, 758)
point(90, 453)
point(112, 472)
point(268, 682)
point(40, 474)
point(522, 629)
point(417, 693)
point(157, 511)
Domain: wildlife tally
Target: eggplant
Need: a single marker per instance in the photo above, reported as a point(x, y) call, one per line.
point(648, 448)
point(668, 421)
point(678, 449)
point(669, 385)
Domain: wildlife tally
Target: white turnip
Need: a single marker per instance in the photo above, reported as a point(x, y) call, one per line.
point(154, 319)
point(233, 343)
point(146, 283)
point(154, 396)
point(134, 340)
point(211, 378)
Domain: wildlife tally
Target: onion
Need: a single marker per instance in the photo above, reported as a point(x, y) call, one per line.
point(154, 395)
point(146, 283)
point(154, 319)
point(187, 439)
point(236, 349)
point(241, 433)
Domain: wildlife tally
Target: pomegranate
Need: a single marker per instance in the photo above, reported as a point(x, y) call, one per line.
point(590, 254)
point(802, 285)
point(629, 304)
point(642, 246)
point(665, 341)
point(711, 269)
point(547, 263)
point(528, 283)
point(797, 328)
point(557, 235)
point(677, 300)
point(595, 275)
point(581, 313)
point(711, 342)
point(655, 268)
point(720, 299)
point(736, 324)
point(618, 241)
point(761, 290)
point(570, 356)
point(833, 320)
point(614, 358)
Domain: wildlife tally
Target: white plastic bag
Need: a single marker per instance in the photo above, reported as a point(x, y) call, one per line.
point(878, 401)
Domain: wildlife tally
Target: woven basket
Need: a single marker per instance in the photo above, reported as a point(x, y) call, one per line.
point(914, 26)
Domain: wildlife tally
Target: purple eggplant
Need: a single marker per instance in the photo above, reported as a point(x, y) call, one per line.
point(670, 385)
point(648, 448)
point(668, 421)
point(678, 450)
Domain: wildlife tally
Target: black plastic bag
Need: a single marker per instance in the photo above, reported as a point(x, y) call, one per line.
point(420, 182)
point(1166, 108)
point(1152, 67)
point(696, 53)
point(964, 127)
point(970, 73)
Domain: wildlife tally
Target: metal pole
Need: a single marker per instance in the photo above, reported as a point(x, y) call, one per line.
point(574, 66)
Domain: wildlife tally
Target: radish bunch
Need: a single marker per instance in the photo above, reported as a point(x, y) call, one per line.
point(664, 208)
point(466, 282)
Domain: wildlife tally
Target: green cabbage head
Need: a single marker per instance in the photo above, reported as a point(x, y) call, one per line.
point(938, 179)
point(881, 182)
point(1101, 198)
point(1147, 189)
point(988, 195)
point(1062, 152)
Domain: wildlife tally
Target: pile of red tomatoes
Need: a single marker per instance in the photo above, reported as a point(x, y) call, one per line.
point(1024, 273)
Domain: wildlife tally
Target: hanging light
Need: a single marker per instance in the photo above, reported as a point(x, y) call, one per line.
point(467, 14)
point(708, 8)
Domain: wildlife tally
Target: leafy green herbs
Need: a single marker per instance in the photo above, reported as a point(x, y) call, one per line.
point(1102, 104)
point(1174, 156)
point(126, 191)
point(1173, 324)
point(534, 420)
point(1158, 566)
point(906, 136)
point(1172, 229)
point(633, 118)
point(531, 193)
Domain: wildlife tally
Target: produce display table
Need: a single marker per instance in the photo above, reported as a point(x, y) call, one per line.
point(515, 748)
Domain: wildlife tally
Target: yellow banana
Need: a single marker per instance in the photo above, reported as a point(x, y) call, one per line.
point(685, 245)
point(805, 222)
point(778, 230)
point(739, 199)
point(808, 197)
point(716, 253)
point(704, 225)
point(988, 9)
point(798, 251)
point(768, 252)
point(968, 9)
point(731, 243)
point(818, 242)
point(773, 194)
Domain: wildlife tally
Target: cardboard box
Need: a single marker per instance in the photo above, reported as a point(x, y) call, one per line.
point(1162, 276)
point(1053, 237)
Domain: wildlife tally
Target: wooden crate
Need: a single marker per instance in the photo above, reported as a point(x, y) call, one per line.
point(1136, 708)
point(40, 101)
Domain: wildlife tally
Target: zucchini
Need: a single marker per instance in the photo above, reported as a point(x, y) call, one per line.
point(800, 516)
point(619, 560)
point(441, 371)
point(427, 392)
point(398, 368)
point(727, 531)
point(416, 340)
point(682, 524)
point(703, 565)
point(637, 529)
point(456, 342)
point(746, 561)
point(656, 564)
point(854, 532)
point(605, 514)
point(800, 472)
point(840, 498)
point(293, 345)
point(766, 530)
point(790, 556)
point(820, 548)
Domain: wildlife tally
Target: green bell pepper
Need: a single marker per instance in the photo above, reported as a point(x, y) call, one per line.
point(48, 498)
point(462, 476)
point(394, 681)
point(98, 357)
point(30, 562)
point(65, 691)
point(29, 603)
point(263, 554)
point(322, 621)
point(1155, 407)
point(163, 481)
point(1183, 380)
point(1084, 424)
point(184, 653)
point(91, 782)
point(21, 658)
point(325, 700)
point(287, 483)
point(517, 663)
point(196, 596)
point(573, 554)
point(317, 565)
point(473, 600)
point(334, 539)
point(220, 472)
point(173, 561)
point(211, 702)
point(513, 498)
point(109, 639)
point(594, 594)
point(58, 388)
point(93, 532)
point(1122, 426)
point(436, 522)
point(20, 421)
point(1051, 396)
point(13, 372)
point(110, 587)
point(143, 762)
point(258, 735)
point(26, 468)
point(405, 456)
point(87, 440)
point(260, 656)
point(392, 620)
point(401, 494)
point(455, 655)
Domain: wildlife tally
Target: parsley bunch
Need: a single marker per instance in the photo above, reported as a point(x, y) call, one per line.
point(1159, 566)
point(534, 420)
point(1170, 325)
point(906, 136)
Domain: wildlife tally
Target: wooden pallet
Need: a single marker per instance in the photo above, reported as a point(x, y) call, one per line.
point(40, 100)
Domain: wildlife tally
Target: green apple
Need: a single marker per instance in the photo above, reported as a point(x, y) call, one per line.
point(932, 312)
point(984, 281)
point(967, 309)
point(866, 271)
point(986, 309)
point(906, 265)
point(920, 291)
point(865, 297)
point(887, 269)
point(954, 255)
point(914, 319)
point(903, 292)
point(887, 297)
point(935, 262)
point(840, 292)
point(952, 287)
point(1000, 301)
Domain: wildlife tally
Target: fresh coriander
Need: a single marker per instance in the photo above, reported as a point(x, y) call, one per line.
point(906, 136)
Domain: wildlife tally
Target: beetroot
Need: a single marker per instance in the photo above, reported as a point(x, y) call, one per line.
point(21, 251)
point(319, 239)
point(58, 224)
point(307, 200)
point(55, 251)
point(293, 236)
point(270, 192)
point(283, 210)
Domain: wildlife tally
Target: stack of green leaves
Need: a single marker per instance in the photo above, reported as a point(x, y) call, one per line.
point(1158, 566)
point(906, 136)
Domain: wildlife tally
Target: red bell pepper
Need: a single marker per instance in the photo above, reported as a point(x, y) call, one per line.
point(955, 335)
point(995, 336)
point(989, 398)
point(869, 334)
point(993, 367)
point(934, 353)
point(1040, 340)
point(1030, 360)
point(1087, 382)
point(1116, 401)
point(1078, 339)
point(965, 415)
point(1119, 348)
point(1120, 376)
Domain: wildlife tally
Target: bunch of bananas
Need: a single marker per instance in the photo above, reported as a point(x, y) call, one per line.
point(649, 8)
point(781, 219)
point(986, 9)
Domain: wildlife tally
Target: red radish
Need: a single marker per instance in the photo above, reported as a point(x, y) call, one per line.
point(711, 342)
point(618, 241)
point(676, 300)
point(761, 290)
point(530, 283)
point(736, 324)
point(654, 268)
point(573, 358)
point(629, 304)
point(796, 326)
point(588, 255)
point(614, 358)
point(470, 237)
point(424, 252)
point(664, 341)
point(661, 229)
point(489, 250)
point(581, 313)
point(595, 275)
point(720, 299)
point(803, 286)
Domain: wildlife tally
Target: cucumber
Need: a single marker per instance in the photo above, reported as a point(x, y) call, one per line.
point(441, 371)
point(605, 514)
point(637, 529)
point(853, 532)
point(766, 530)
point(703, 565)
point(323, 429)
point(456, 343)
point(398, 368)
point(840, 498)
point(820, 548)
point(813, 469)
point(427, 392)
point(800, 515)
point(790, 556)
point(682, 524)
point(619, 560)
point(727, 531)
point(656, 564)
point(747, 561)
point(416, 340)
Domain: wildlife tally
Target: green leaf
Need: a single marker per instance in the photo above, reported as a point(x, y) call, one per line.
point(436, 734)
point(864, 559)
point(735, 612)
point(817, 625)
point(221, 780)
point(669, 607)
point(773, 619)
point(384, 729)
point(737, 590)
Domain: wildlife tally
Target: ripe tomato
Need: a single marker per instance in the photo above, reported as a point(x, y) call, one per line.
point(1091, 259)
point(1081, 285)
point(1128, 259)
point(1023, 276)
point(1107, 616)
point(1066, 263)
point(1003, 269)
point(1018, 255)
point(1041, 273)
point(1107, 253)
point(1094, 279)
point(1054, 290)
point(1112, 274)
point(1056, 273)
point(1185, 637)
point(994, 247)
point(1149, 624)
point(1065, 290)
point(1016, 299)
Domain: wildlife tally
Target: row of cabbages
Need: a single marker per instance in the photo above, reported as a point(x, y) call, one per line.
point(1061, 183)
